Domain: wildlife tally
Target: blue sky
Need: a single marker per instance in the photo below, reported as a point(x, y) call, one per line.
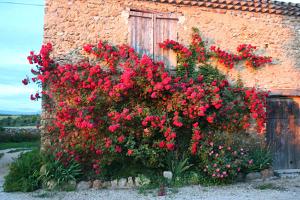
point(21, 30)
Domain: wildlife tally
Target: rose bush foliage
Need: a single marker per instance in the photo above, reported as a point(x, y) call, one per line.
point(128, 108)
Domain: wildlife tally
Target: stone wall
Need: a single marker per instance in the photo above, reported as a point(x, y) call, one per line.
point(70, 24)
point(21, 130)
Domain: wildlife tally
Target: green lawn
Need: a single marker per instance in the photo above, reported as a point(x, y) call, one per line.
point(27, 145)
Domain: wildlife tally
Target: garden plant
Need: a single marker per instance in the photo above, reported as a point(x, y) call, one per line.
point(122, 114)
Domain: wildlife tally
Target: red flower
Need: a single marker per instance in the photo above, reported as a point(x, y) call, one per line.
point(216, 90)
point(108, 142)
point(178, 123)
point(196, 135)
point(173, 135)
point(118, 149)
point(37, 95)
point(32, 97)
point(170, 146)
point(194, 148)
point(59, 154)
point(210, 119)
point(25, 81)
point(162, 144)
point(121, 139)
point(254, 115)
point(88, 48)
point(195, 125)
point(154, 95)
point(98, 152)
point(129, 152)
point(113, 128)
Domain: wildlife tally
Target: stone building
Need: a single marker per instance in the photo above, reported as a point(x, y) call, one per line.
point(272, 26)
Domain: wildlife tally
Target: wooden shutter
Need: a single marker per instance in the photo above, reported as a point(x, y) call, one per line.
point(147, 30)
point(141, 32)
point(165, 27)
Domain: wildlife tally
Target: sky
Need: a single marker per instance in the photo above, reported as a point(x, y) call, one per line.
point(21, 30)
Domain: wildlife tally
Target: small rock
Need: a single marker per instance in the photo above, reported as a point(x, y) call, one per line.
point(83, 185)
point(267, 173)
point(122, 183)
point(51, 185)
point(97, 184)
point(240, 177)
point(114, 183)
point(43, 170)
point(106, 184)
point(130, 183)
point(253, 176)
point(141, 180)
point(168, 174)
point(137, 181)
point(70, 186)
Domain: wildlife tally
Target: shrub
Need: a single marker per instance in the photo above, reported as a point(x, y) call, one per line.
point(178, 166)
point(24, 172)
point(220, 160)
point(259, 158)
point(19, 137)
point(24, 145)
point(128, 109)
point(59, 174)
point(22, 120)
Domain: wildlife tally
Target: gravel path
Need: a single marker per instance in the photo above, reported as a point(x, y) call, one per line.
point(6, 159)
point(277, 189)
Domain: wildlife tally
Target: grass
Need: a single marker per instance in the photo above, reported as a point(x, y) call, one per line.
point(27, 145)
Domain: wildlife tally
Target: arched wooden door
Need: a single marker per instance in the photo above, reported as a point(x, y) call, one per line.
point(283, 131)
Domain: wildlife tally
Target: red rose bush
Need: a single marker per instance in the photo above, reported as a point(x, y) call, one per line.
point(129, 109)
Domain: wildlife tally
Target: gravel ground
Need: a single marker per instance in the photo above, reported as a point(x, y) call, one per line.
point(276, 189)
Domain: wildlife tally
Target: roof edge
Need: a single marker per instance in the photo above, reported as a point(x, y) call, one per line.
point(260, 6)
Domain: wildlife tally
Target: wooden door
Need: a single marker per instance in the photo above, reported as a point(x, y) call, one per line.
point(283, 131)
point(147, 30)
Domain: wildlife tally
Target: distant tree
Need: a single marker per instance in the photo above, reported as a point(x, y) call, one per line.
point(23, 120)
